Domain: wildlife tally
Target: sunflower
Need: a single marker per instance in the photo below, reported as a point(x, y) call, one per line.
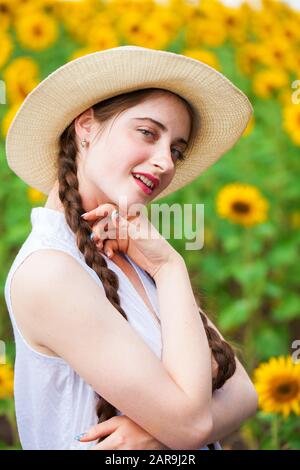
point(203, 55)
point(278, 386)
point(103, 37)
point(268, 81)
point(24, 65)
point(167, 19)
point(206, 27)
point(6, 381)
point(290, 29)
point(21, 76)
point(6, 48)
point(264, 24)
point(5, 14)
point(207, 32)
point(285, 96)
point(129, 25)
point(275, 52)
point(8, 117)
point(36, 31)
point(249, 127)
point(35, 196)
point(248, 56)
point(77, 17)
point(235, 23)
point(242, 204)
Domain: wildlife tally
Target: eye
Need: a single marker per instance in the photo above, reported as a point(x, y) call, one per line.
point(145, 130)
point(181, 156)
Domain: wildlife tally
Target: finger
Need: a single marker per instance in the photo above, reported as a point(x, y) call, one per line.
point(109, 443)
point(103, 236)
point(104, 229)
point(99, 245)
point(110, 248)
point(101, 429)
point(101, 211)
point(121, 225)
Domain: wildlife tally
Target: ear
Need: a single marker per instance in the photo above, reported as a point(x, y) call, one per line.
point(84, 124)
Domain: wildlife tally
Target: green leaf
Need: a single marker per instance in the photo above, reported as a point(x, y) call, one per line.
point(294, 444)
point(236, 314)
point(271, 342)
point(288, 309)
point(273, 290)
point(250, 275)
point(283, 254)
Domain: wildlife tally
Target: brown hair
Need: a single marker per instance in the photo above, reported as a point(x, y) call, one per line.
point(72, 203)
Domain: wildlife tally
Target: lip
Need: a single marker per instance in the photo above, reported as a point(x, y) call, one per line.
point(152, 178)
point(145, 188)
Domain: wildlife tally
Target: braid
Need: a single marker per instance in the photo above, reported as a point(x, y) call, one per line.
point(222, 352)
point(71, 200)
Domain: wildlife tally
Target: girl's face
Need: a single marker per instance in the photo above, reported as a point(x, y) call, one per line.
point(131, 144)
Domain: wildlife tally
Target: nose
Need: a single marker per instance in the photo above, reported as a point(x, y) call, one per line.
point(162, 158)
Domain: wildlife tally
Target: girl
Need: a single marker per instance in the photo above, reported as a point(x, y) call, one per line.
point(116, 342)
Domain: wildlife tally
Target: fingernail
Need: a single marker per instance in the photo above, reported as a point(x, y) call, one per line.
point(83, 215)
point(92, 235)
point(79, 436)
point(108, 253)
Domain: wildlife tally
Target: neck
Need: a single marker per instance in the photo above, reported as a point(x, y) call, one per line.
point(53, 201)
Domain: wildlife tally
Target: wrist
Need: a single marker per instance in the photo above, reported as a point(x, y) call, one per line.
point(175, 261)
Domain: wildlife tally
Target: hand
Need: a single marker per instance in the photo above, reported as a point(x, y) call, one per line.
point(103, 239)
point(134, 235)
point(123, 434)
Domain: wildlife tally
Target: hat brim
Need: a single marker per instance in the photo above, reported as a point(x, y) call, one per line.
point(222, 111)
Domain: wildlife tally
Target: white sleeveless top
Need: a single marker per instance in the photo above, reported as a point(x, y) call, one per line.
point(52, 402)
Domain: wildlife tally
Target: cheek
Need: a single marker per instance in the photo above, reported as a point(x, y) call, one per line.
point(94, 164)
point(127, 156)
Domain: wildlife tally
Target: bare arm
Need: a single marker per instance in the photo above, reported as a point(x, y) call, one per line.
point(71, 315)
point(231, 405)
point(186, 353)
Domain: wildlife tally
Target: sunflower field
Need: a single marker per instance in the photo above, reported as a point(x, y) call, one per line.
point(247, 274)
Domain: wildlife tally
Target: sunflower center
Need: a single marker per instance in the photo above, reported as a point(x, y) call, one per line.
point(230, 21)
point(286, 391)
point(3, 8)
point(22, 91)
point(278, 54)
point(37, 30)
point(241, 207)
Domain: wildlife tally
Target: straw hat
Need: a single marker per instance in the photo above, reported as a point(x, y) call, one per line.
point(222, 111)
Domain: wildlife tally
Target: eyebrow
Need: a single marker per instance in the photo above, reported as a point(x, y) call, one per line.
point(161, 126)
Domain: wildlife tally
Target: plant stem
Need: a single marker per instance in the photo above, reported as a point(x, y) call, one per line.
point(275, 435)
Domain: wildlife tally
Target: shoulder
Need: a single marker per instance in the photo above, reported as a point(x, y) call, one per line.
point(48, 271)
point(48, 289)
